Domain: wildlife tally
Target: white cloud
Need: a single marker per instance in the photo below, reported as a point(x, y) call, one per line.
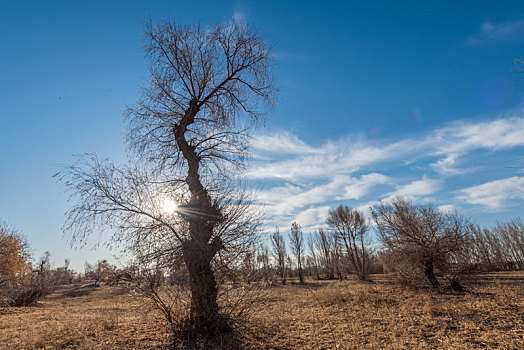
point(416, 188)
point(445, 165)
point(286, 199)
point(498, 32)
point(312, 216)
point(300, 177)
point(501, 133)
point(332, 158)
point(283, 143)
point(447, 208)
point(284, 156)
point(494, 195)
point(358, 188)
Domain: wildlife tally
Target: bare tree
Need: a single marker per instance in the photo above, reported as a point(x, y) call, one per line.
point(337, 256)
point(279, 253)
point(421, 236)
point(296, 238)
point(351, 228)
point(511, 235)
point(324, 244)
point(189, 137)
point(313, 255)
point(264, 265)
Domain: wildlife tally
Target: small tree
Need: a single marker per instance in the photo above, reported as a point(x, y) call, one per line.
point(420, 236)
point(279, 253)
point(296, 238)
point(351, 228)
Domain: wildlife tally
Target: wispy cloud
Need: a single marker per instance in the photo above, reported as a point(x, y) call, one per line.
point(462, 137)
point(340, 157)
point(302, 181)
point(285, 199)
point(416, 188)
point(282, 143)
point(498, 32)
point(495, 194)
point(446, 165)
point(284, 156)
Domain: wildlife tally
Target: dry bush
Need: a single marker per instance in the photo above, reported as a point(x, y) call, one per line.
point(18, 285)
point(14, 257)
point(172, 298)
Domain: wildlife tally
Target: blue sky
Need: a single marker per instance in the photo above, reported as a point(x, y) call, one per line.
point(377, 99)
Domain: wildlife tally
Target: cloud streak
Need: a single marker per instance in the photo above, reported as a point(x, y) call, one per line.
point(497, 32)
point(302, 181)
point(495, 194)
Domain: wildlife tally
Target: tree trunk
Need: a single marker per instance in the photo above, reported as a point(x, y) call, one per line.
point(430, 274)
point(199, 251)
point(204, 306)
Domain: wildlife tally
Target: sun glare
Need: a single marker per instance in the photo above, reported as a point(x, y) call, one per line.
point(169, 206)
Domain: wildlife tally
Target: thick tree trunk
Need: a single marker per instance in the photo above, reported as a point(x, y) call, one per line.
point(430, 274)
point(204, 306)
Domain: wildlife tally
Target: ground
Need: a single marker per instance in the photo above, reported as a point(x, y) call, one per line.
point(319, 315)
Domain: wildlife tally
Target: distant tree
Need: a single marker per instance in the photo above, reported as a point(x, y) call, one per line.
point(511, 237)
point(351, 228)
point(264, 265)
point(420, 236)
point(279, 253)
point(44, 264)
point(324, 245)
point(296, 238)
point(188, 134)
point(337, 256)
point(249, 265)
point(313, 256)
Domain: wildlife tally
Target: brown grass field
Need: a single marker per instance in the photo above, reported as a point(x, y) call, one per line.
point(320, 315)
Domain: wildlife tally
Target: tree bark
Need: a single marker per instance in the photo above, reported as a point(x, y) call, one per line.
point(204, 306)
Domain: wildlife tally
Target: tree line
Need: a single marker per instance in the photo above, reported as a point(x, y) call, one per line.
point(418, 243)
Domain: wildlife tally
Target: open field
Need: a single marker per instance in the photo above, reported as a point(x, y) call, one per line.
point(321, 315)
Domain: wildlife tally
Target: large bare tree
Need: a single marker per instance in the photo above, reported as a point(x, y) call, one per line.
point(188, 136)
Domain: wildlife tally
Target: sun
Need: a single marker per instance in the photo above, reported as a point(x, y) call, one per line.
point(169, 206)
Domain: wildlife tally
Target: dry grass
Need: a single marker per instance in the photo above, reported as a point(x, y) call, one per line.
point(321, 315)
point(381, 315)
point(83, 317)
